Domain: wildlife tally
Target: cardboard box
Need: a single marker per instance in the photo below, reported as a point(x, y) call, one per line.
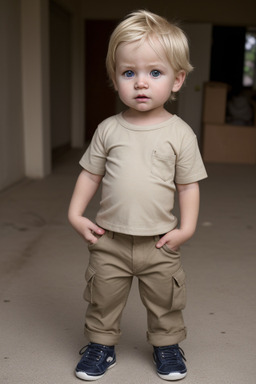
point(224, 143)
point(215, 101)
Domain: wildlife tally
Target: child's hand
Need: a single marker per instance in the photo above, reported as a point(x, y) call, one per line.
point(86, 186)
point(90, 229)
point(189, 206)
point(173, 239)
point(86, 228)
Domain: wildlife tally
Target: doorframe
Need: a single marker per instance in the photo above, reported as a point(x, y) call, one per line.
point(190, 99)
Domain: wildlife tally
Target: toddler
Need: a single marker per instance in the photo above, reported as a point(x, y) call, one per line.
point(141, 156)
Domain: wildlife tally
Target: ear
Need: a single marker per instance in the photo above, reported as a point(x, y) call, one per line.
point(179, 80)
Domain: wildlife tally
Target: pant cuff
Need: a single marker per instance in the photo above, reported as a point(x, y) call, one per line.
point(102, 338)
point(162, 340)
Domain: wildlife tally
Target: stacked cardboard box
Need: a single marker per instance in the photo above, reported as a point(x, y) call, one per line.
point(215, 101)
point(224, 143)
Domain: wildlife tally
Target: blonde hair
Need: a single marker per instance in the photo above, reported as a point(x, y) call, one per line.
point(143, 25)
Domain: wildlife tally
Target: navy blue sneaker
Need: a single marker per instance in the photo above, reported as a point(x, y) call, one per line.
point(96, 360)
point(169, 362)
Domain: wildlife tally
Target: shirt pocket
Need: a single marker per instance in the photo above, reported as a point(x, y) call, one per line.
point(163, 167)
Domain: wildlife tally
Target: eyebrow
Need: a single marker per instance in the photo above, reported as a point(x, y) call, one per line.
point(149, 65)
point(126, 65)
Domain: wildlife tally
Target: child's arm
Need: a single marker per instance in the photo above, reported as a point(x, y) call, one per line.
point(85, 188)
point(189, 207)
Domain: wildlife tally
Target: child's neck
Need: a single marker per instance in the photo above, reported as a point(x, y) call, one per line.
point(146, 118)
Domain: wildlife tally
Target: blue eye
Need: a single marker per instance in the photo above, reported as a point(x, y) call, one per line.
point(155, 73)
point(128, 73)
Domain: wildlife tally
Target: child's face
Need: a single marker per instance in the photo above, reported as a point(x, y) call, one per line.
point(145, 79)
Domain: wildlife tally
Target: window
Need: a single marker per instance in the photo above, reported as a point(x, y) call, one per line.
point(249, 75)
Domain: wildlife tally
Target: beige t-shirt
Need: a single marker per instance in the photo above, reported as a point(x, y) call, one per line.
point(141, 165)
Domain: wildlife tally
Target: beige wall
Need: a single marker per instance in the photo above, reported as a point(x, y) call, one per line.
point(35, 87)
point(25, 144)
point(11, 127)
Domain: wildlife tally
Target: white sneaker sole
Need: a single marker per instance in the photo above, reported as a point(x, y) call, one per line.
point(173, 376)
point(84, 376)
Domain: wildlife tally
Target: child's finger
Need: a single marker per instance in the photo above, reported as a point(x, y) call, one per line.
point(161, 242)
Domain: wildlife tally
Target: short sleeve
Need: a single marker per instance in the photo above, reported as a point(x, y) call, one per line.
point(189, 166)
point(94, 159)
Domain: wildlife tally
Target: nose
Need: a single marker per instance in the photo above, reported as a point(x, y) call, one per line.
point(141, 83)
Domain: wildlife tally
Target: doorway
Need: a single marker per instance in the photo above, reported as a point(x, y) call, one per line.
point(190, 100)
point(100, 97)
point(227, 56)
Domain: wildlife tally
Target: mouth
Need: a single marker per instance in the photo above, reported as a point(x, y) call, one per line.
point(142, 98)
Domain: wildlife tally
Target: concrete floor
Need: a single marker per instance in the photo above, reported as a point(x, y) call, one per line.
point(42, 280)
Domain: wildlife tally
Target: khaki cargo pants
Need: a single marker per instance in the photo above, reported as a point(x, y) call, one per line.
point(114, 260)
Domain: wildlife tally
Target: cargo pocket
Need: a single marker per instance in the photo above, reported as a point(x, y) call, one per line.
point(179, 290)
point(89, 277)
